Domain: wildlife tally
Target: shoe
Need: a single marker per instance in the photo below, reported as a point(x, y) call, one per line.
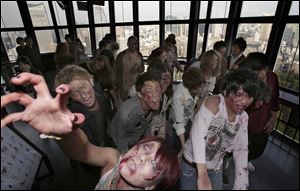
point(251, 168)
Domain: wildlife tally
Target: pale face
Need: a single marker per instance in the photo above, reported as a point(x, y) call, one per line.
point(151, 95)
point(239, 101)
point(235, 50)
point(138, 166)
point(133, 44)
point(165, 81)
point(222, 51)
point(163, 57)
point(82, 91)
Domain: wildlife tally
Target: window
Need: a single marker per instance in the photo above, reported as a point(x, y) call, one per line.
point(203, 9)
point(40, 13)
point(46, 40)
point(149, 38)
point(10, 18)
point(294, 8)
point(148, 10)
point(81, 16)
point(84, 35)
point(123, 33)
point(200, 38)
point(9, 41)
point(181, 32)
point(101, 13)
point(258, 8)
point(216, 32)
point(256, 36)
point(177, 10)
point(60, 14)
point(100, 33)
point(287, 62)
point(62, 33)
point(220, 9)
point(123, 11)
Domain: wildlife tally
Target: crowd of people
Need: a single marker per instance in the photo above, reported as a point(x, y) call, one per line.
point(155, 134)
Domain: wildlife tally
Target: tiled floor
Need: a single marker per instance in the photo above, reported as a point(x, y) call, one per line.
point(276, 169)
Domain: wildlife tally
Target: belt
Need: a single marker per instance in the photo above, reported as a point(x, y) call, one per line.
point(192, 164)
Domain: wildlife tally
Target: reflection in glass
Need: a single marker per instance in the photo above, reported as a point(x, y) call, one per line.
point(177, 10)
point(101, 13)
point(84, 35)
point(220, 9)
point(258, 8)
point(287, 62)
point(9, 41)
point(60, 14)
point(203, 9)
point(149, 38)
point(181, 32)
point(46, 40)
point(148, 10)
point(10, 18)
point(100, 33)
point(216, 32)
point(200, 37)
point(256, 35)
point(40, 13)
point(81, 17)
point(294, 8)
point(122, 34)
point(124, 11)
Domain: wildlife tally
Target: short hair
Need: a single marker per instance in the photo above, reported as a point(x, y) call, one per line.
point(24, 60)
point(241, 43)
point(240, 79)
point(168, 163)
point(132, 38)
point(219, 44)
point(70, 73)
point(147, 76)
point(255, 61)
point(193, 78)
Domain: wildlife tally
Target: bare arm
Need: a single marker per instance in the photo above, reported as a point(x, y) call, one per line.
point(203, 181)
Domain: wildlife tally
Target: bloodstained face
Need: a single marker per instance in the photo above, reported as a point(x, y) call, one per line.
point(150, 95)
point(138, 166)
point(239, 101)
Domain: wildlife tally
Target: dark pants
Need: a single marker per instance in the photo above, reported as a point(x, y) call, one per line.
point(257, 144)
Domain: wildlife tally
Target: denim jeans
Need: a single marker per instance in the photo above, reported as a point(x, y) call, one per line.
point(188, 177)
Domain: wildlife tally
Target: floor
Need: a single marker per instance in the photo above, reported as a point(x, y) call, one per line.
point(276, 169)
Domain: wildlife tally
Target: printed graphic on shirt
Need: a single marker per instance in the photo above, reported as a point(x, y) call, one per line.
point(220, 137)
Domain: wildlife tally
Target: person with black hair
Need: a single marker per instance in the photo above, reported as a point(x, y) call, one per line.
point(238, 47)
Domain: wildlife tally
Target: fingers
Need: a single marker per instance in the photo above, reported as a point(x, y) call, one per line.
point(21, 98)
point(62, 96)
point(37, 81)
point(10, 118)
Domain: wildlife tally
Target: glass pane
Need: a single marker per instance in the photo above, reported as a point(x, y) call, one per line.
point(200, 38)
point(62, 33)
point(294, 8)
point(181, 32)
point(258, 8)
point(84, 35)
point(100, 33)
point(9, 41)
point(177, 10)
point(123, 11)
point(122, 34)
point(203, 9)
point(149, 38)
point(101, 13)
point(40, 13)
point(256, 35)
point(281, 127)
point(285, 113)
point(216, 32)
point(10, 15)
point(46, 40)
point(148, 10)
point(287, 62)
point(60, 14)
point(81, 16)
point(297, 136)
point(220, 9)
point(290, 132)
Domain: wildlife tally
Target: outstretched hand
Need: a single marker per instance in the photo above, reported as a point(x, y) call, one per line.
point(46, 114)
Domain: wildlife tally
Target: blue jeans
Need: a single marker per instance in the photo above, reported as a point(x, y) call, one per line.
point(188, 177)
